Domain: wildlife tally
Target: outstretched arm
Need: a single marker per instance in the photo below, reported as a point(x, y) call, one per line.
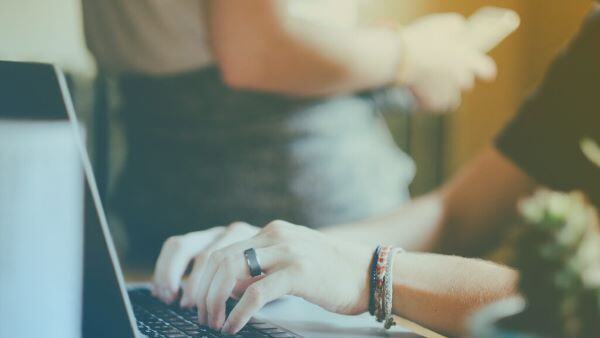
point(259, 46)
point(461, 217)
point(440, 292)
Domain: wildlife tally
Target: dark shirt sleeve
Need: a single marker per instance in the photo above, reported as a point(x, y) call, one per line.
point(544, 138)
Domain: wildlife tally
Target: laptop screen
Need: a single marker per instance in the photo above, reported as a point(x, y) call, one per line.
point(39, 92)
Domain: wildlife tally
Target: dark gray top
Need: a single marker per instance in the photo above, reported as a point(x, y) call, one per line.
point(202, 154)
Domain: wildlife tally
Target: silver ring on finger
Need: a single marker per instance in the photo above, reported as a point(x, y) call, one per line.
point(252, 262)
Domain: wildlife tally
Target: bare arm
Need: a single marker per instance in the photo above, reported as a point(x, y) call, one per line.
point(461, 217)
point(258, 46)
point(440, 292)
point(480, 201)
point(435, 290)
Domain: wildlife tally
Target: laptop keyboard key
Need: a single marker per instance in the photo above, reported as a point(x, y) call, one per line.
point(157, 320)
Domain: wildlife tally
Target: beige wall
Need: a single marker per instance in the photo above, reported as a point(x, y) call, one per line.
point(546, 26)
point(44, 31)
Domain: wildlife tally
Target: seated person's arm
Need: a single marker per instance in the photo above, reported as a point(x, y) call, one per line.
point(258, 46)
point(435, 290)
point(460, 217)
point(440, 291)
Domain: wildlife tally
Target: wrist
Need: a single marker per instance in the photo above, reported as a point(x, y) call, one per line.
point(401, 77)
point(364, 259)
point(382, 290)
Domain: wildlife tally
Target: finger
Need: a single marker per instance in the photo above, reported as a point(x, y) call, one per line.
point(190, 290)
point(233, 269)
point(242, 285)
point(466, 81)
point(163, 286)
point(438, 95)
point(203, 282)
point(447, 100)
point(484, 67)
point(455, 100)
point(174, 259)
point(176, 254)
point(256, 296)
point(233, 233)
point(215, 260)
point(220, 289)
point(450, 94)
point(450, 97)
point(451, 23)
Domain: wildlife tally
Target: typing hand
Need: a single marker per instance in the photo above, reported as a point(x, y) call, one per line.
point(179, 251)
point(295, 260)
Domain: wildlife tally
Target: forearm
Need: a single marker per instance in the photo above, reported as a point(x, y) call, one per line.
point(440, 292)
point(415, 226)
point(481, 203)
point(317, 61)
point(467, 215)
point(259, 46)
point(324, 61)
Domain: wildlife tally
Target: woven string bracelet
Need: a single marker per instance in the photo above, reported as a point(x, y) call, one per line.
point(389, 289)
point(380, 284)
point(383, 293)
point(373, 280)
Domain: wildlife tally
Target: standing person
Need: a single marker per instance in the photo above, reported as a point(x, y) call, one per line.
point(248, 109)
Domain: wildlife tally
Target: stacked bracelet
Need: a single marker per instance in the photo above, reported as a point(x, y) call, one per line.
point(373, 280)
point(381, 284)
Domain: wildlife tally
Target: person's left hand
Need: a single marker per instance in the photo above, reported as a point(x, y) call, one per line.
point(195, 247)
point(295, 260)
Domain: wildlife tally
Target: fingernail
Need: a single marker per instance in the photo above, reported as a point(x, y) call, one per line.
point(184, 302)
point(166, 295)
point(226, 328)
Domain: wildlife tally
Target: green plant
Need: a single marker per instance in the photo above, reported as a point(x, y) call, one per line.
point(557, 252)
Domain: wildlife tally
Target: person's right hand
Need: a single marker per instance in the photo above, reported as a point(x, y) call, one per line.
point(440, 62)
point(179, 251)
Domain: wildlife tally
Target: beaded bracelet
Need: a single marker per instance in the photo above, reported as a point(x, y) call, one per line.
point(379, 294)
point(373, 280)
point(382, 295)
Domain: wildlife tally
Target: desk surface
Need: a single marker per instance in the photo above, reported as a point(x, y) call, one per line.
point(136, 276)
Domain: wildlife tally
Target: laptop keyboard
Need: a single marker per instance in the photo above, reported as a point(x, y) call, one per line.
point(156, 319)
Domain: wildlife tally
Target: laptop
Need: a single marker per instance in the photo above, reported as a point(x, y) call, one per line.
point(113, 309)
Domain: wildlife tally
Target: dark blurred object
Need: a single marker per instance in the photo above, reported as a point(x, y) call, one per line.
point(393, 99)
point(558, 256)
point(420, 135)
point(557, 252)
point(29, 91)
point(199, 153)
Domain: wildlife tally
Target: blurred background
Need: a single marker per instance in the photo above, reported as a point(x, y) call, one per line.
point(52, 31)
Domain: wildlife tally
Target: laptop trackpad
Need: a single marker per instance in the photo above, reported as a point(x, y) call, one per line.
point(309, 320)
